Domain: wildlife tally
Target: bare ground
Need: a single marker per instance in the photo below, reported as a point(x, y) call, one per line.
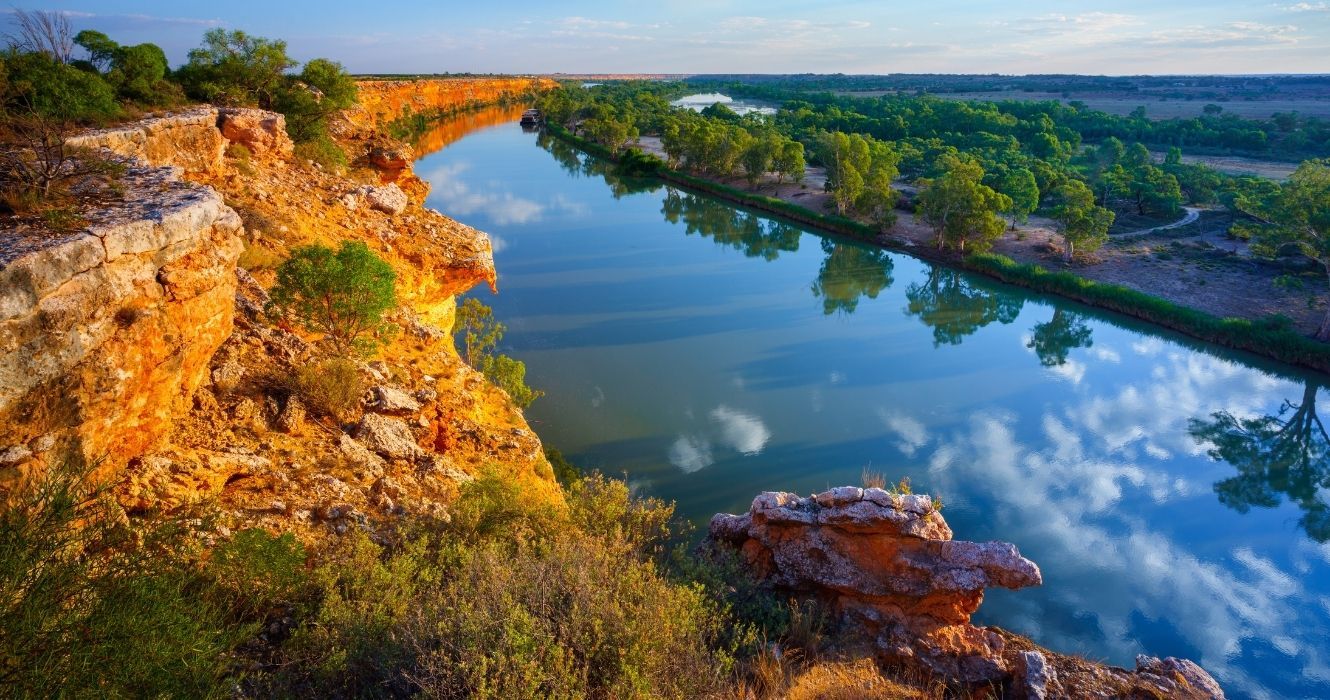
point(1194, 264)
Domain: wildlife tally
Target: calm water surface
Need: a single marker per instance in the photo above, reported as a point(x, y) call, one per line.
point(709, 353)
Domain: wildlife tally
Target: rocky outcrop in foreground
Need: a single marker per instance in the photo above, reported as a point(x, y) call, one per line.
point(886, 566)
point(106, 333)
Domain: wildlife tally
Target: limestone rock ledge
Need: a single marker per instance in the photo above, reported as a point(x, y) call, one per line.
point(887, 567)
point(105, 334)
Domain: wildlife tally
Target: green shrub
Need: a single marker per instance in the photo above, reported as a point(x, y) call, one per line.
point(322, 89)
point(324, 152)
point(235, 68)
point(331, 387)
point(341, 294)
point(635, 163)
point(565, 472)
point(93, 606)
point(258, 572)
point(579, 619)
point(39, 84)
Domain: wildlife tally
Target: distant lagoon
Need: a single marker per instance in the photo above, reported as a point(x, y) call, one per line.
point(702, 100)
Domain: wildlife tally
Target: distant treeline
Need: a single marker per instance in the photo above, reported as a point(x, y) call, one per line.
point(1286, 135)
point(1215, 87)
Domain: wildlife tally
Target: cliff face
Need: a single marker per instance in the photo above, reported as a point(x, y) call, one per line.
point(140, 345)
point(382, 101)
point(887, 567)
point(105, 334)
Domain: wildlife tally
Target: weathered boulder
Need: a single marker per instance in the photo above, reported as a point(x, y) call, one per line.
point(389, 199)
point(391, 400)
point(263, 133)
point(392, 158)
point(390, 437)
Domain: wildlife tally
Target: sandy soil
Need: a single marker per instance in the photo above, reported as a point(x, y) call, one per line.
point(1194, 263)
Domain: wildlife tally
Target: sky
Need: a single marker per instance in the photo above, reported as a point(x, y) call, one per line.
point(748, 36)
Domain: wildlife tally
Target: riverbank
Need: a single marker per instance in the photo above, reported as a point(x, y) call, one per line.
point(1161, 284)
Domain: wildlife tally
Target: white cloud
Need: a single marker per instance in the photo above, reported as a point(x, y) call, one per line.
point(1068, 499)
point(691, 454)
point(744, 432)
point(911, 434)
point(456, 198)
point(1306, 7)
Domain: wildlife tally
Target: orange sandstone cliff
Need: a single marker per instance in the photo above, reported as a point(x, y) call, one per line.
point(140, 344)
point(382, 101)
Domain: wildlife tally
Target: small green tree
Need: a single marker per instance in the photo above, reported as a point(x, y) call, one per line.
point(757, 158)
point(341, 294)
point(481, 334)
point(789, 161)
point(1021, 187)
point(322, 89)
point(960, 208)
point(1295, 217)
point(236, 68)
point(1083, 225)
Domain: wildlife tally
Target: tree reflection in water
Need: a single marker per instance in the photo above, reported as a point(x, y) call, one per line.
point(574, 163)
point(1284, 454)
point(849, 273)
point(952, 305)
point(729, 226)
point(1054, 339)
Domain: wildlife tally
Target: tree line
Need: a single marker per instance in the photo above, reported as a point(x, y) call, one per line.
point(51, 74)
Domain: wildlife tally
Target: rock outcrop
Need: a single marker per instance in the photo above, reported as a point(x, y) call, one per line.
point(263, 133)
point(887, 567)
point(189, 140)
point(106, 333)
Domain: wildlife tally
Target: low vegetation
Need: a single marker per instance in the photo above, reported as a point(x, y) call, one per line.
point(510, 599)
point(331, 387)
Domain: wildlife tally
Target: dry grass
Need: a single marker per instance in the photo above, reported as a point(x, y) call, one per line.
point(870, 479)
point(789, 676)
point(255, 257)
point(332, 387)
point(852, 680)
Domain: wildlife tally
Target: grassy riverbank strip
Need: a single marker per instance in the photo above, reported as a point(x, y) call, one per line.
point(1270, 339)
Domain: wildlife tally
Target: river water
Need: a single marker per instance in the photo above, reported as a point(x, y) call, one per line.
point(709, 353)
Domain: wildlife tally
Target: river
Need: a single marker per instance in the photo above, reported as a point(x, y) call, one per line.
point(708, 353)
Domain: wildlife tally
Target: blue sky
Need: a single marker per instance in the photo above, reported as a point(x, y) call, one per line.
point(768, 36)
